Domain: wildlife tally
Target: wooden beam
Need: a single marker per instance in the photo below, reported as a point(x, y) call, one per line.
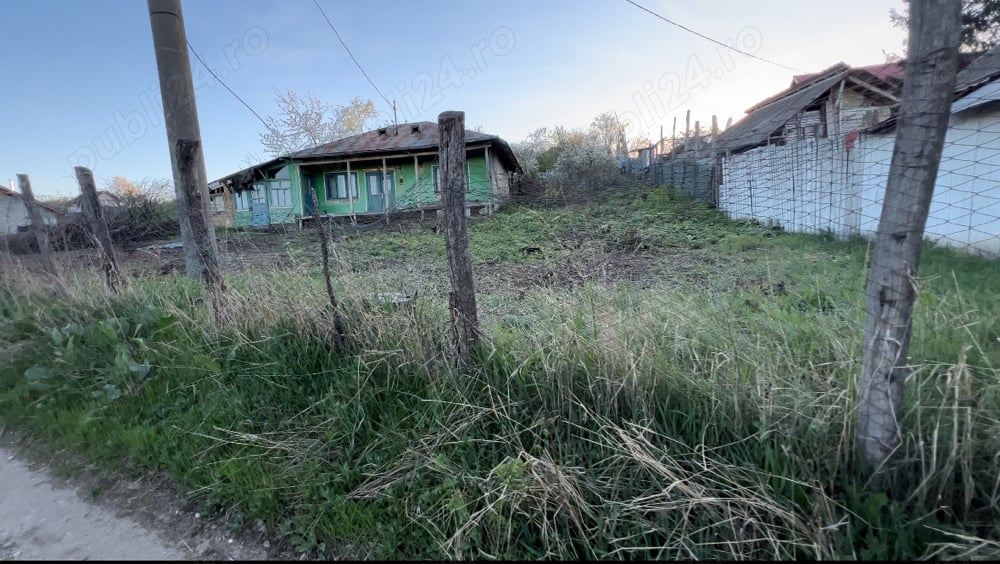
point(875, 89)
point(385, 195)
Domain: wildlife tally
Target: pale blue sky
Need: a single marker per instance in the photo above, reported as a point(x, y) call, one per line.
point(80, 83)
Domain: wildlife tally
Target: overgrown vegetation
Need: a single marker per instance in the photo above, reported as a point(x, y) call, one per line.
point(659, 383)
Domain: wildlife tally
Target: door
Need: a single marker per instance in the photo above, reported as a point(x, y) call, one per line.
point(381, 195)
point(307, 196)
point(258, 205)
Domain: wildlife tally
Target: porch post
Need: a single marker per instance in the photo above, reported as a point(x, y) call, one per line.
point(416, 186)
point(385, 196)
point(350, 193)
point(489, 176)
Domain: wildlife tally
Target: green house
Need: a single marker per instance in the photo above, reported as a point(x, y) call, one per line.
point(390, 169)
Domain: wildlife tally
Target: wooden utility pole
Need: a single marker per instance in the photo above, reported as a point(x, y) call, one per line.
point(191, 167)
point(923, 121)
point(462, 299)
point(180, 115)
point(37, 224)
point(94, 214)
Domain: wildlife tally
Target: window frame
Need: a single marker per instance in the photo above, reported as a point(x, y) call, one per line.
point(286, 190)
point(330, 188)
point(436, 177)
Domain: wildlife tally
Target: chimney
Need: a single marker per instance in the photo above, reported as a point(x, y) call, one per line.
point(10, 182)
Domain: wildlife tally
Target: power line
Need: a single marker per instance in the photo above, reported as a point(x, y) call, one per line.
point(224, 85)
point(689, 30)
point(346, 48)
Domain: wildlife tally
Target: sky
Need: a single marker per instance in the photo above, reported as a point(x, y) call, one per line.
point(80, 79)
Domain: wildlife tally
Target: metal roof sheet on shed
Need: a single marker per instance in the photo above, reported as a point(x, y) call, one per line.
point(763, 119)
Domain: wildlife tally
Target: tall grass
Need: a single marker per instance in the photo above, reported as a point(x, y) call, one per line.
point(707, 416)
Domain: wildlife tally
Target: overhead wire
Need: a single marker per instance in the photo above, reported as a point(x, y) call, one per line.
point(703, 36)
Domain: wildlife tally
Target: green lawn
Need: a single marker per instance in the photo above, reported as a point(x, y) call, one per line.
point(658, 382)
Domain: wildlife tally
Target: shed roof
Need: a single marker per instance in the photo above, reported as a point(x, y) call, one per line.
point(980, 71)
point(767, 116)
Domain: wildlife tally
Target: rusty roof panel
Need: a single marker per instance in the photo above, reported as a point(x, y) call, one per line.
point(389, 139)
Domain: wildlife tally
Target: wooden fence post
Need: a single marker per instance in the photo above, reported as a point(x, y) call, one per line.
point(339, 336)
point(37, 224)
point(91, 207)
point(462, 299)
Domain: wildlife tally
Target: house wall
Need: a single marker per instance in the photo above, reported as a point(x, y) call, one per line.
point(276, 215)
point(819, 185)
point(14, 214)
point(413, 189)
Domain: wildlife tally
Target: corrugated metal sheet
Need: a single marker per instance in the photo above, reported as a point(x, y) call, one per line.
point(980, 71)
point(407, 137)
point(765, 119)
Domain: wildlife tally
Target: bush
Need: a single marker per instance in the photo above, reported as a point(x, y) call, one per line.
point(139, 219)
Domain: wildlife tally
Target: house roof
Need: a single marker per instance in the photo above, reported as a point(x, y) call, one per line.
point(885, 72)
point(765, 117)
point(385, 141)
point(980, 71)
point(100, 193)
point(975, 84)
point(4, 191)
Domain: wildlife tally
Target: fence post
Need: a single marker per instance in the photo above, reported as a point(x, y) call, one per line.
point(37, 224)
point(462, 299)
point(923, 121)
point(339, 336)
point(92, 211)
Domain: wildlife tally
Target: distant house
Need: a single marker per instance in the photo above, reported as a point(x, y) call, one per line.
point(14, 216)
point(105, 198)
point(387, 169)
point(825, 104)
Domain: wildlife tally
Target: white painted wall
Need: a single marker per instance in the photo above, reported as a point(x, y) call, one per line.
point(14, 214)
point(818, 185)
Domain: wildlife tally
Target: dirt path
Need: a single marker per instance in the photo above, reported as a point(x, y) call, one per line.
point(39, 521)
point(52, 509)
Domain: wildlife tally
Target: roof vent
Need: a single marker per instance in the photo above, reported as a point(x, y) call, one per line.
point(382, 131)
point(414, 128)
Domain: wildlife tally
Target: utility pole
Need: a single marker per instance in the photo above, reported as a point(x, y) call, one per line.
point(180, 115)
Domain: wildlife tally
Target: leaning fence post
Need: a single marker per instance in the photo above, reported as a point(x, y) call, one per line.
point(92, 211)
point(462, 299)
point(37, 226)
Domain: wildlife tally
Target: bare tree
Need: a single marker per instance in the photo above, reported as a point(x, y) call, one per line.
point(923, 121)
point(610, 133)
point(307, 121)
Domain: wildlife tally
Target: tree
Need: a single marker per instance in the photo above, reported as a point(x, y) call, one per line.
point(610, 133)
point(980, 25)
point(308, 121)
point(923, 120)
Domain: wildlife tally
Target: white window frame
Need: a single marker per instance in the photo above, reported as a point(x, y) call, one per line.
point(280, 193)
point(330, 181)
point(242, 200)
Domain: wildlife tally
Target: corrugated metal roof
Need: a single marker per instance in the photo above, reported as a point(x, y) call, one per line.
point(410, 137)
point(979, 71)
point(885, 71)
point(389, 139)
point(765, 118)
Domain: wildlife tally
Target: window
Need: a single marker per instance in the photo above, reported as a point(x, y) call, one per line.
point(436, 174)
point(281, 193)
point(218, 203)
point(336, 186)
point(243, 200)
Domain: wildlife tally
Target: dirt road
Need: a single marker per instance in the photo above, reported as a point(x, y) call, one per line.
point(44, 517)
point(41, 522)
